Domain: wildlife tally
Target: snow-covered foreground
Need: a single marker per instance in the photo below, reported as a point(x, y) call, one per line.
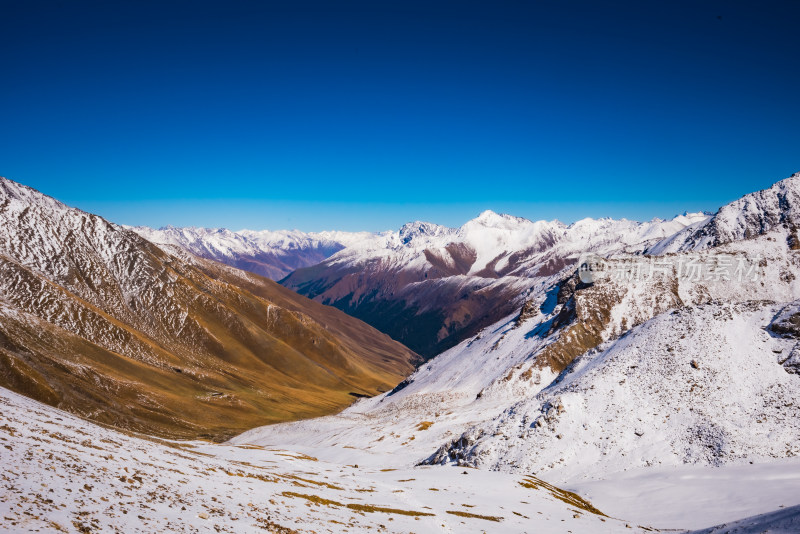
point(60, 473)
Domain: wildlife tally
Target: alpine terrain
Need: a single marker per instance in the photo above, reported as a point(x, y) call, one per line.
point(652, 386)
point(97, 320)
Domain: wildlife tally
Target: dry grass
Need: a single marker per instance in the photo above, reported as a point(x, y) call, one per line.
point(316, 499)
point(369, 508)
point(365, 508)
point(297, 479)
point(565, 496)
point(459, 513)
point(295, 455)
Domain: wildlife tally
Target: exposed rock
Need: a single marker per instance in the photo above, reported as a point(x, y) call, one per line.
point(529, 309)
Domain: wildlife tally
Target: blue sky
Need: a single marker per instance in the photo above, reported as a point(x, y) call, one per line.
point(365, 115)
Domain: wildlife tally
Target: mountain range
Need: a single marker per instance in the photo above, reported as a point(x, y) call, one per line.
point(660, 394)
point(430, 286)
point(426, 285)
point(272, 254)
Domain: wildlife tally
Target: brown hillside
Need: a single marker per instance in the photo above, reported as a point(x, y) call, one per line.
point(96, 320)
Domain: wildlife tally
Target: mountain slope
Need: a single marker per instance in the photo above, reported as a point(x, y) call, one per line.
point(64, 474)
point(658, 380)
point(273, 254)
point(97, 320)
point(702, 385)
point(431, 287)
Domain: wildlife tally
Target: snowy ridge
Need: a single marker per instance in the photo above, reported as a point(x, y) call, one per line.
point(750, 216)
point(492, 236)
point(273, 254)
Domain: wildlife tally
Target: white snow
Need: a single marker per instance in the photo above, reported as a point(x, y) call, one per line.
point(269, 253)
point(493, 236)
point(61, 473)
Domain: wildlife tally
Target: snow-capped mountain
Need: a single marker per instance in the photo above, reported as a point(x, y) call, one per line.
point(430, 286)
point(97, 320)
point(628, 389)
point(273, 254)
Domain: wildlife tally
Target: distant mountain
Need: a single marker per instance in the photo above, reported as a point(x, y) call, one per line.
point(426, 285)
point(273, 254)
point(97, 320)
point(430, 286)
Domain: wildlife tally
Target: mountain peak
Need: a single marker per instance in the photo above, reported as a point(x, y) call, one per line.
point(488, 214)
point(416, 229)
point(492, 219)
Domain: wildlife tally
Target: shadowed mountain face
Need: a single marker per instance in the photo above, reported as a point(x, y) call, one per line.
point(428, 316)
point(431, 287)
point(99, 321)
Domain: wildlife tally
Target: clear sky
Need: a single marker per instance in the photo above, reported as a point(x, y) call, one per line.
point(365, 115)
